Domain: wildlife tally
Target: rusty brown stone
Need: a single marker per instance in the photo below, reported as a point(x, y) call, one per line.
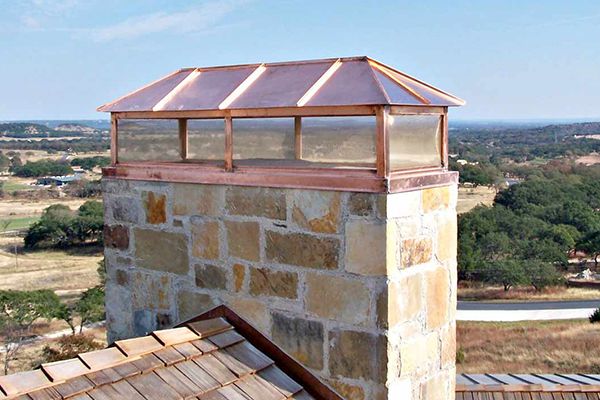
point(267, 282)
point(155, 207)
point(116, 237)
point(191, 304)
point(302, 249)
point(239, 272)
point(317, 211)
point(435, 198)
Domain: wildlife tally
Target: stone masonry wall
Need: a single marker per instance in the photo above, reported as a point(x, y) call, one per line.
point(360, 288)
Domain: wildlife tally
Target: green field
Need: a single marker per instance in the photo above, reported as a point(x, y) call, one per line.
point(9, 224)
point(11, 186)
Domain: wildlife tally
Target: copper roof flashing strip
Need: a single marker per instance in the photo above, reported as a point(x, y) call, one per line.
point(165, 100)
point(408, 89)
point(319, 83)
point(242, 87)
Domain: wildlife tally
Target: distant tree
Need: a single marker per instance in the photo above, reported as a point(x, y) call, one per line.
point(590, 244)
point(42, 168)
point(90, 306)
point(541, 274)
point(88, 163)
point(507, 273)
point(18, 311)
point(4, 162)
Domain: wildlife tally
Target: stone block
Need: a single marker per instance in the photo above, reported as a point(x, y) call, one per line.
point(448, 350)
point(144, 322)
point(243, 240)
point(256, 202)
point(416, 251)
point(341, 299)
point(205, 239)
point(316, 211)
point(436, 388)
point(119, 314)
point(358, 355)
point(194, 199)
point(253, 311)
point(150, 291)
point(438, 297)
point(360, 204)
point(406, 204)
point(239, 274)
point(366, 247)
point(436, 198)
point(116, 237)
point(302, 249)
point(191, 304)
point(301, 338)
point(418, 353)
point(161, 251)
point(447, 237)
point(121, 277)
point(347, 390)
point(124, 209)
point(163, 321)
point(268, 282)
point(155, 207)
point(210, 277)
point(405, 299)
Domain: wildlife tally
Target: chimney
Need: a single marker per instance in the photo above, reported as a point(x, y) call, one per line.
point(331, 228)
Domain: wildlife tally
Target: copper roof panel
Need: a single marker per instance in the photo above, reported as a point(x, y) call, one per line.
point(352, 84)
point(145, 98)
point(435, 97)
point(208, 89)
point(395, 92)
point(281, 85)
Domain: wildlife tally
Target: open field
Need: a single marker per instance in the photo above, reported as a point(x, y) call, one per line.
point(469, 198)
point(18, 223)
point(529, 347)
point(17, 208)
point(497, 293)
point(590, 159)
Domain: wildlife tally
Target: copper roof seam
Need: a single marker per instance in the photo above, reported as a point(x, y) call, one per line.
point(186, 81)
point(380, 85)
point(401, 84)
point(463, 102)
point(242, 87)
point(319, 83)
point(102, 107)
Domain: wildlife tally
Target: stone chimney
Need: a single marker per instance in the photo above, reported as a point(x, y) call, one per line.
point(359, 287)
point(313, 199)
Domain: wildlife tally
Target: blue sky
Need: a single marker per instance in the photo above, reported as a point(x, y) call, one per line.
point(508, 59)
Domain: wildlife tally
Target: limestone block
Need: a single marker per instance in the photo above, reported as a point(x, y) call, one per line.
point(405, 299)
point(243, 240)
point(436, 198)
point(341, 299)
point(162, 251)
point(191, 304)
point(438, 297)
point(253, 311)
point(150, 291)
point(193, 199)
point(418, 353)
point(116, 237)
point(447, 237)
point(416, 251)
point(256, 202)
point(365, 247)
point(205, 239)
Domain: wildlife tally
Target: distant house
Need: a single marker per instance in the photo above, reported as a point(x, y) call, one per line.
point(57, 180)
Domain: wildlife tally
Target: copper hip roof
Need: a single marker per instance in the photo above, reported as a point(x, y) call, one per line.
point(315, 83)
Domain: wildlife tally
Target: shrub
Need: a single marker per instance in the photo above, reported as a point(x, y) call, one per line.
point(69, 347)
point(595, 317)
point(460, 356)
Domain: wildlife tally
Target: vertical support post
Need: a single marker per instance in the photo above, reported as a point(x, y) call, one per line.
point(183, 138)
point(228, 143)
point(444, 146)
point(382, 143)
point(114, 139)
point(298, 137)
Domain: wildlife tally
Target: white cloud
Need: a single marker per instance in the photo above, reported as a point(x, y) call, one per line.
point(198, 19)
